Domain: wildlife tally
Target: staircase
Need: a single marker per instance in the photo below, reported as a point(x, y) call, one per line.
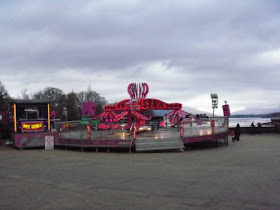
point(159, 144)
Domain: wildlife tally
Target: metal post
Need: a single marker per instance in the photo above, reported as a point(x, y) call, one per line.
point(213, 126)
point(88, 131)
point(49, 118)
point(15, 118)
point(129, 118)
point(214, 98)
point(134, 132)
point(182, 129)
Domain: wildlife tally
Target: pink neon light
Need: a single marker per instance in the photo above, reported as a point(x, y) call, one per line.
point(134, 132)
point(162, 124)
point(182, 130)
point(137, 91)
point(143, 104)
point(88, 131)
point(175, 115)
point(103, 126)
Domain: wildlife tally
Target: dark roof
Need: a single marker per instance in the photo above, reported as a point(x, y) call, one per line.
point(32, 101)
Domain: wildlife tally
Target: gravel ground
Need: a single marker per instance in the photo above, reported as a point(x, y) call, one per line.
point(243, 175)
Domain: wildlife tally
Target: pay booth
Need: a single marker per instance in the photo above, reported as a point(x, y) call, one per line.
point(30, 122)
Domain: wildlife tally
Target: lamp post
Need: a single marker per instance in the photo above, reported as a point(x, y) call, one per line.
point(65, 112)
point(214, 98)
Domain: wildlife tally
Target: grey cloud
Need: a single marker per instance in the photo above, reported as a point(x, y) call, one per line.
point(210, 44)
point(115, 39)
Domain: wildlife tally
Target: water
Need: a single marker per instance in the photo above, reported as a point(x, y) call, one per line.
point(246, 122)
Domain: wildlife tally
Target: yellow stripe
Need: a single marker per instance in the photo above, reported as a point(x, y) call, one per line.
point(15, 118)
point(49, 118)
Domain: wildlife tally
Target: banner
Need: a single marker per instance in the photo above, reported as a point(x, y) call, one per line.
point(32, 126)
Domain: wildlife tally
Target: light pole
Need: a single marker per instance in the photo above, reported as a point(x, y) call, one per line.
point(65, 112)
point(214, 98)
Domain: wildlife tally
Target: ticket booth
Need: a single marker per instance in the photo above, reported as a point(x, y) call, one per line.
point(30, 122)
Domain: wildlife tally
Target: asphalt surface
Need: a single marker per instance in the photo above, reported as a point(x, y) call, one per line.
point(243, 175)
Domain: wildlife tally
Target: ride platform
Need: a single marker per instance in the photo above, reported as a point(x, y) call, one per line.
point(219, 137)
point(30, 140)
point(96, 139)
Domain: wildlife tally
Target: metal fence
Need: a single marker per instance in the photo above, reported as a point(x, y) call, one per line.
point(76, 130)
point(221, 124)
point(202, 127)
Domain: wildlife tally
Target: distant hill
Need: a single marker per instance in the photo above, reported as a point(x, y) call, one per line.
point(195, 111)
point(270, 115)
point(256, 111)
point(185, 108)
point(249, 112)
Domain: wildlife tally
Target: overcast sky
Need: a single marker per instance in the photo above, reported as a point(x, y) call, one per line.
point(184, 50)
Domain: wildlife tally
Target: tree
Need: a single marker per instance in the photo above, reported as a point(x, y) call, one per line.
point(53, 93)
point(4, 98)
point(92, 96)
point(24, 94)
point(48, 93)
point(72, 101)
point(61, 103)
point(72, 104)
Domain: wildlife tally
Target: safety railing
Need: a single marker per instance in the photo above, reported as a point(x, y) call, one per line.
point(221, 124)
point(188, 128)
point(202, 127)
point(76, 130)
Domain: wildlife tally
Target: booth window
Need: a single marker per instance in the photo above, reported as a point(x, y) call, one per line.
point(32, 115)
point(27, 113)
point(32, 112)
point(43, 114)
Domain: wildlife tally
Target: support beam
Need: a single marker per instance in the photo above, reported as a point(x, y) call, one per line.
point(49, 118)
point(15, 118)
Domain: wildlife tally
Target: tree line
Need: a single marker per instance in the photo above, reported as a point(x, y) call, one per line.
point(72, 101)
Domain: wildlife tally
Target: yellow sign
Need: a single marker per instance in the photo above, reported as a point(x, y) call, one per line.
point(32, 126)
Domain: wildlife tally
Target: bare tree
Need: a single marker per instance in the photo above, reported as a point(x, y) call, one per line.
point(92, 96)
point(24, 94)
point(4, 98)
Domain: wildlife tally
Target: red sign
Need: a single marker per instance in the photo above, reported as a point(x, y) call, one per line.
point(32, 126)
point(143, 104)
point(226, 110)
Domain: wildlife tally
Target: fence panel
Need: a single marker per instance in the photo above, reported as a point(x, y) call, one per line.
point(202, 127)
point(221, 124)
point(76, 130)
point(197, 128)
